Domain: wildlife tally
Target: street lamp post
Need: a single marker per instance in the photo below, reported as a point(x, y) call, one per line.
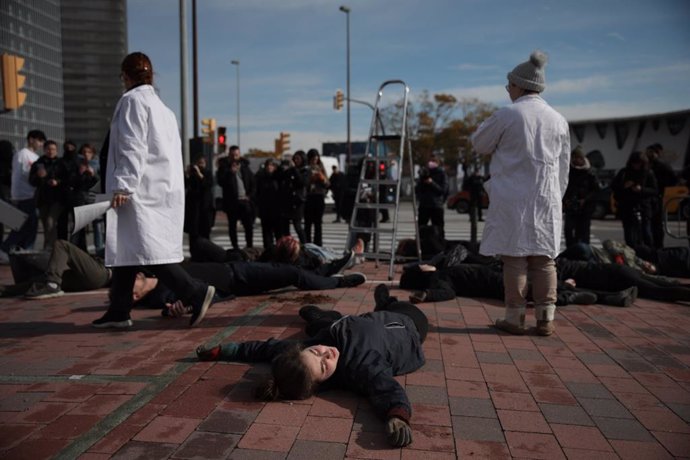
point(346, 10)
point(237, 63)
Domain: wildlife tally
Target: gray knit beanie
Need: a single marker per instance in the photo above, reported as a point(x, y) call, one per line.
point(530, 75)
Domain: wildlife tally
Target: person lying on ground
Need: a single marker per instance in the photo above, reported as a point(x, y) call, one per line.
point(674, 262)
point(239, 279)
point(69, 269)
point(72, 269)
point(363, 353)
point(432, 284)
point(597, 276)
point(287, 250)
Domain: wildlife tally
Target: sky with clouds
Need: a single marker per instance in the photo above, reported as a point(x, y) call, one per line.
point(607, 58)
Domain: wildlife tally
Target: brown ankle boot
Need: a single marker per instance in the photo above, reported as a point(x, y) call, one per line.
point(545, 328)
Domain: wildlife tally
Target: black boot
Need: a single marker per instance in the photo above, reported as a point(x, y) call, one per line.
point(581, 298)
point(624, 298)
point(312, 313)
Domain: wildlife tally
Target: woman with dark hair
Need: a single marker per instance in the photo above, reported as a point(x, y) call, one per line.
point(145, 176)
point(635, 191)
point(314, 208)
point(363, 353)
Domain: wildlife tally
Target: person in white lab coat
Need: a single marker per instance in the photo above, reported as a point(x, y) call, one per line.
point(529, 144)
point(145, 176)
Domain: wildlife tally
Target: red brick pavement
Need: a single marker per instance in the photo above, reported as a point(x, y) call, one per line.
point(611, 383)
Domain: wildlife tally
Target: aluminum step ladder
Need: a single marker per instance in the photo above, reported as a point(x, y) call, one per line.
point(379, 184)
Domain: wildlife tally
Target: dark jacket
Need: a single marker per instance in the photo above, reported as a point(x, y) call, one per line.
point(374, 348)
point(228, 182)
point(267, 192)
point(665, 177)
point(432, 194)
point(199, 206)
point(55, 169)
point(291, 184)
point(630, 201)
point(582, 185)
point(80, 183)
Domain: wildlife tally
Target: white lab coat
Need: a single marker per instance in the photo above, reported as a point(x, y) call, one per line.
point(145, 160)
point(530, 147)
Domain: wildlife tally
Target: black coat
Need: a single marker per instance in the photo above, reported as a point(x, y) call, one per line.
point(267, 193)
point(374, 348)
point(582, 185)
point(292, 187)
point(199, 207)
point(45, 193)
point(432, 194)
point(228, 182)
point(630, 201)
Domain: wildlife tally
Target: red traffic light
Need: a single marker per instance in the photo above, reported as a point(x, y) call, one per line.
point(221, 139)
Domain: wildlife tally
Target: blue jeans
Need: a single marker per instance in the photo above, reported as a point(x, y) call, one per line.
point(26, 235)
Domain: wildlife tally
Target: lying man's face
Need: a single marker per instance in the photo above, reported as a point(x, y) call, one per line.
point(321, 361)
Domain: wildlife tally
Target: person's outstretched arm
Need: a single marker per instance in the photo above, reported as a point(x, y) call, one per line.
point(249, 352)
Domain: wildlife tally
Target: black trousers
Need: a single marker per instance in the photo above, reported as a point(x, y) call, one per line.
point(314, 209)
point(186, 288)
point(270, 228)
point(295, 216)
point(434, 214)
point(576, 227)
point(251, 278)
point(242, 211)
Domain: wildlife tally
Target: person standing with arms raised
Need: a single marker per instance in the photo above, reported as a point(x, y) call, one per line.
point(529, 145)
point(145, 176)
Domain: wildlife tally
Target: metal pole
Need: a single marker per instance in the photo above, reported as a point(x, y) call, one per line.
point(237, 63)
point(346, 10)
point(184, 69)
point(195, 72)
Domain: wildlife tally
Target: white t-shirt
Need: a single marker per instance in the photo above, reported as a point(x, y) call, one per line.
point(21, 165)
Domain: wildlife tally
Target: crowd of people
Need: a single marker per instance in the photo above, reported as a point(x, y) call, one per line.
point(538, 190)
point(47, 187)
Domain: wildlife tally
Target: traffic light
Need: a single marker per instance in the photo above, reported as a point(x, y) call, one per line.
point(338, 100)
point(208, 130)
point(12, 81)
point(382, 170)
point(284, 142)
point(222, 139)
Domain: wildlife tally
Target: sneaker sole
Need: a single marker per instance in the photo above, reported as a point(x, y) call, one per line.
point(114, 324)
point(45, 296)
point(210, 292)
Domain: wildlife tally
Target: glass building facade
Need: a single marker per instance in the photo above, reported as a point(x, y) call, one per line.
point(30, 29)
point(94, 42)
point(72, 51)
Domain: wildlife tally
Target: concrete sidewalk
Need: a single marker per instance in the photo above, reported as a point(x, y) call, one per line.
point(611, 383)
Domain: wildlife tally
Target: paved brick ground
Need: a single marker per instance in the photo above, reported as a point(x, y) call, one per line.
point(611, 383)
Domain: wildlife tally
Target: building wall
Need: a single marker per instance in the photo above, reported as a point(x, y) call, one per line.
point(94, 42)
point(31, 29)
point(616, 139)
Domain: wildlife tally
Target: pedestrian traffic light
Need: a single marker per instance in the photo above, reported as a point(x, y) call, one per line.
point(209, 130)
point(12, 81)
point(338, 100)
point(284, 142)
point(222, 139)
point(382, 170)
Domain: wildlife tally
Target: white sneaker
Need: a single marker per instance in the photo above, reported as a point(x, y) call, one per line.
point(4, 258)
